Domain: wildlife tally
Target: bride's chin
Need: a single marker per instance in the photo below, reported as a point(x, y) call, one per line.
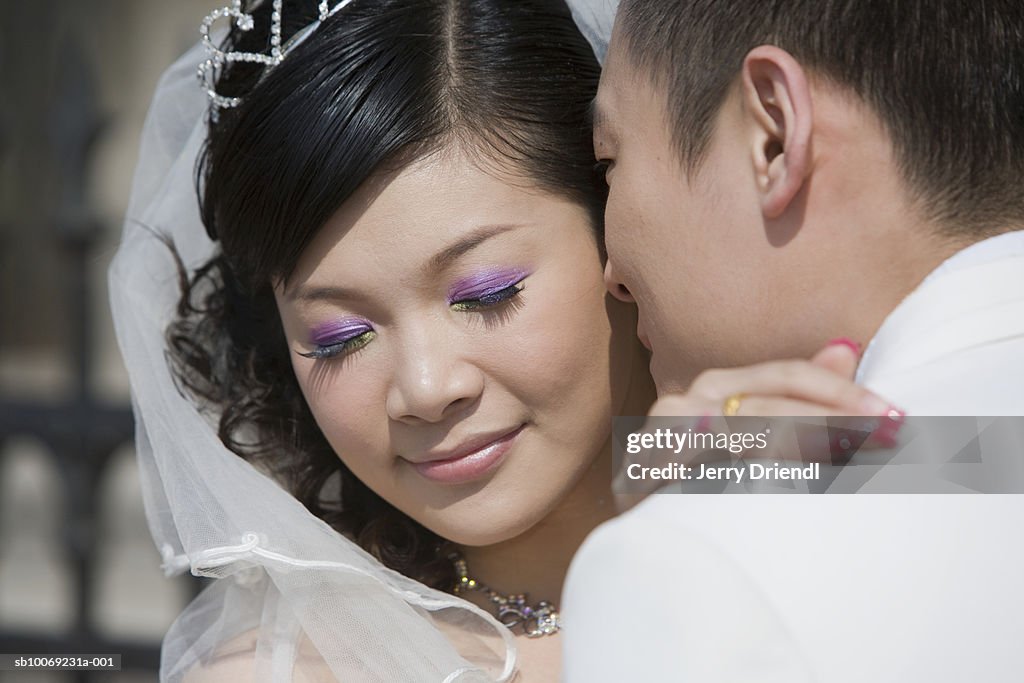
point(486, 526)
point(482, 533)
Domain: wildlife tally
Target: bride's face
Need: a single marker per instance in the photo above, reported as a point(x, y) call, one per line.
point(451, 333)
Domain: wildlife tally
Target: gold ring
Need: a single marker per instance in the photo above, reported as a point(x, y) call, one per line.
point(731, 406)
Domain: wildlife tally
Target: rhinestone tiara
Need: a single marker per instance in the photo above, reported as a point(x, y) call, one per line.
point(218, 58)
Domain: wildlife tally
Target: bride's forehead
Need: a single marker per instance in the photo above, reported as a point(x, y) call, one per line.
point(426, 222)
point(434, 198)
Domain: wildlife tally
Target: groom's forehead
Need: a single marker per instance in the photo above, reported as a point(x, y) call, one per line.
point(607, 105)
point(626, 97)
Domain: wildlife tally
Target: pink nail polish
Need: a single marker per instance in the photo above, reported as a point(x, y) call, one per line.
point(846, 341)
point(703, 425)
point(892, 422)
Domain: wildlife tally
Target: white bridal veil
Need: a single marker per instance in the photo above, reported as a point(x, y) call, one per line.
point(294, 598)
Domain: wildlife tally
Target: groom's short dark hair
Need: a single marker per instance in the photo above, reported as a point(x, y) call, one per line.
point(946, 77)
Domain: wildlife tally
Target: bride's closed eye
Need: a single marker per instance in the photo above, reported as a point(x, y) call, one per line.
point(488, 300)
point(486, 289)
point(483, 293)
point(342, 337)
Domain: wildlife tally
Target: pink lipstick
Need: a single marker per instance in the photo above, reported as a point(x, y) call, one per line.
point(469, 461)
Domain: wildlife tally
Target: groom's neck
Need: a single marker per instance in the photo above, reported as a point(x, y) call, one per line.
point(903, 257)
point(872, 240)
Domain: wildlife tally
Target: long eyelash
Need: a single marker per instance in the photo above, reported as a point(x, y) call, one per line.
point(498, 308)
point(502, 313)
point(346, 347)
point(489, 300)
point(499, 312)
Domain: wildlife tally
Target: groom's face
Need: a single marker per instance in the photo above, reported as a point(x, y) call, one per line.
point(679, 242)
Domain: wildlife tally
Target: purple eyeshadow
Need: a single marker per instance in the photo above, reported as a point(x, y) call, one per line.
point(485, 282)
point(339, 331)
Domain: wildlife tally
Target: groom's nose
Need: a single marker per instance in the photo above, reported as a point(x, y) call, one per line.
point(614, 285)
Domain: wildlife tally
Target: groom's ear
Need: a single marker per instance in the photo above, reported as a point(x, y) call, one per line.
point(777, 99)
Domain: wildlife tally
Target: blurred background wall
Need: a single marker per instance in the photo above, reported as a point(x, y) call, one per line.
point(78, 569)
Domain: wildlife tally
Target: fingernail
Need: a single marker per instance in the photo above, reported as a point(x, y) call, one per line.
point(703, 425)
point(846, 341)
point(890, 425)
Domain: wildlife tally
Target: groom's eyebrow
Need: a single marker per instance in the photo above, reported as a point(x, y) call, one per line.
point(595, 117)
point(599, 121)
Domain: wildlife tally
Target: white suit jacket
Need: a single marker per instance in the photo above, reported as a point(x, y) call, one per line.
point(833, 588)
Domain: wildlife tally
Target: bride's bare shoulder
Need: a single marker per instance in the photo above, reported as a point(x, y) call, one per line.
point(235, 660)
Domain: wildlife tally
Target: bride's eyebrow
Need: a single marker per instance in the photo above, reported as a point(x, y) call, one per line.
point(437, 263)
point(474, 239)
point(307, 294)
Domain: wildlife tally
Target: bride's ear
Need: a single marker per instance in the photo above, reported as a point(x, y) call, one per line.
point(777, 100)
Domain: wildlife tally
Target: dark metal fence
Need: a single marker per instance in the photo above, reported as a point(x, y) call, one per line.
point(80, 431)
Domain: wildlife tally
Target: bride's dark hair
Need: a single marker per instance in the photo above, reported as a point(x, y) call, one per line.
point(380, 84)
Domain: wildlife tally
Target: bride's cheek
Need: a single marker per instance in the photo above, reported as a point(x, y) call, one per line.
point(348, 415)
point(568, 366)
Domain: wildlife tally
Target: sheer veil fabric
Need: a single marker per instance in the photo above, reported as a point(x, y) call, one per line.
point(594, 19)
point(294, 598)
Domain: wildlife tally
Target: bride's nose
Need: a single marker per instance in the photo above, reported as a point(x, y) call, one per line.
point(432, 379)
